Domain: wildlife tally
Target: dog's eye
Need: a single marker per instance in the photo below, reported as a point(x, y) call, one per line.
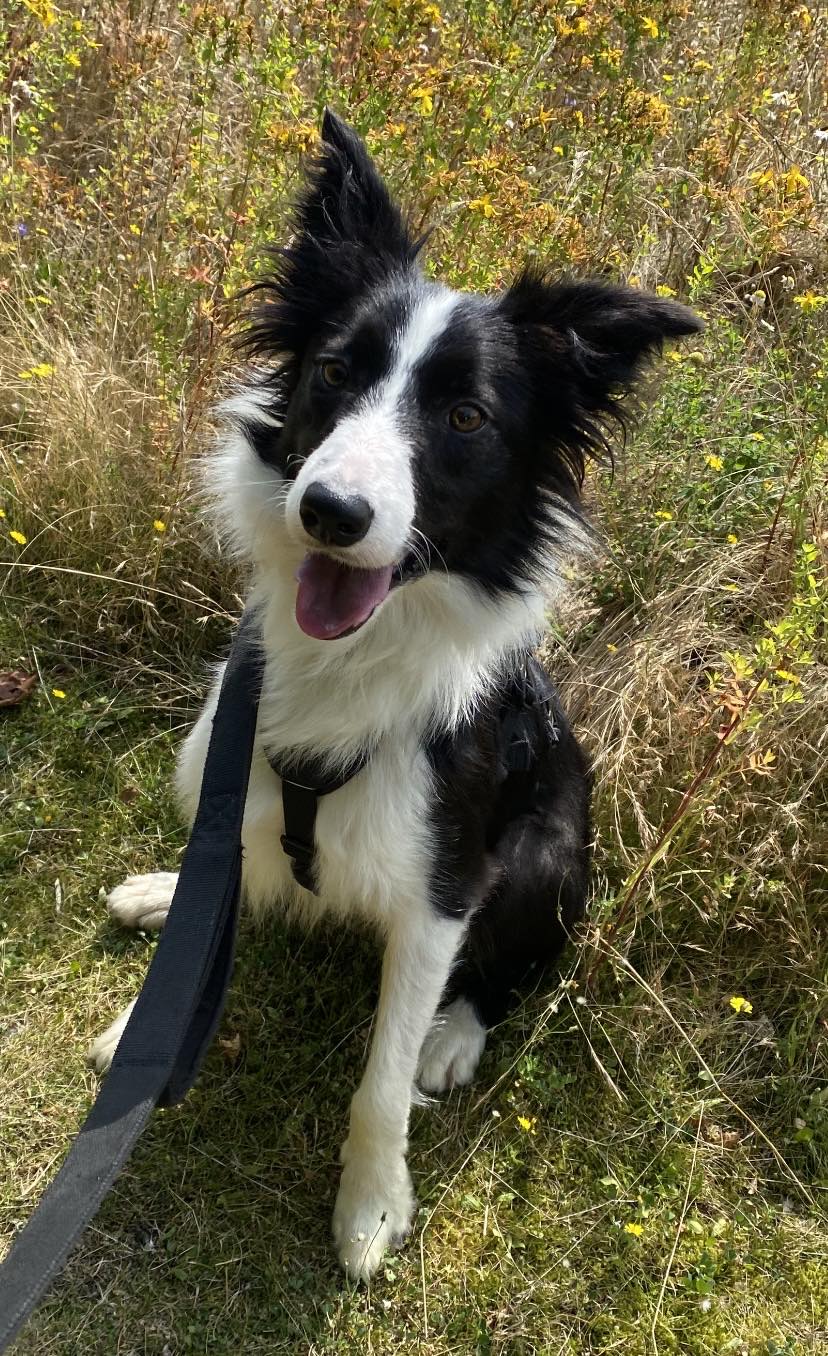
point(334, 372)
point(467, 418)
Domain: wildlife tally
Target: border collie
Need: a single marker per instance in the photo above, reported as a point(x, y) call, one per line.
point(401, 469)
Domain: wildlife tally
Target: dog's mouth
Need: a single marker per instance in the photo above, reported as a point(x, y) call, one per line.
point(335, 600)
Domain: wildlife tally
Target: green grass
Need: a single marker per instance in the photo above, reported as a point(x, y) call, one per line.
point(156, 155)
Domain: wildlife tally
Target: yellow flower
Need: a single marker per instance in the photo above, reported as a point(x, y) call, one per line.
point(43, 10)
point(732, 539)
point(756, 437)
point(2, 513)
point(810, 301)
point(528, 1123)
point(635, 1229)
point(57, 692)
point(649, 26)
point(72, 59)
point(39, 370)
point(664, 514)
point(715, 463)
point(159, 525)
point(433, 13)
point(19, 538)
point(664, 291)
point(559, 150)
point(764, 178)
point(741, 1005)
point(484, 205)
point(612, 648)
point(731, 588)
point(425, 100)
point(795, 182)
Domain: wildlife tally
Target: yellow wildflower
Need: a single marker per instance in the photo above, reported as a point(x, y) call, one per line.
point(159, 525)
point(756, 437)
point(528, 1123)
point(741, 1005)
point(732, 539)
point(484, 205)
point(39, 370)
point(715, 463)
point(2, 513)
point(19, 538)
point(664, 291)
point(612, 648)
point(72, 59)
point(664, 514)
point(795, 182)
point(633, 1228)
point(649, 26)
point(424, 97)
point(59, 693)
point(810, 301)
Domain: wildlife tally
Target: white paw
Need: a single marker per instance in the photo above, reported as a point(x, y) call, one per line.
point(143, 901)
point(372, 1213)
point(102, 1049)
point(452, 1049)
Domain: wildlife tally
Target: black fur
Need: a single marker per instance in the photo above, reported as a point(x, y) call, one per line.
point(554, 364)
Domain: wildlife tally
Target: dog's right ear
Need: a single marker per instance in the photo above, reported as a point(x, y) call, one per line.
point(348, 238)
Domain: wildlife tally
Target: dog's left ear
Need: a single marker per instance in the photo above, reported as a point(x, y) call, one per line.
point(598, 335)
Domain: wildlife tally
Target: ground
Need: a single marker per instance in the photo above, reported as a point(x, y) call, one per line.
point(642, 1162)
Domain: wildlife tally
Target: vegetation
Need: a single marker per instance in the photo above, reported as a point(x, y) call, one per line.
point(642, 1165)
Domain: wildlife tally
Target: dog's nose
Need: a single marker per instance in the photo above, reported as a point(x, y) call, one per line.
point(333, 519)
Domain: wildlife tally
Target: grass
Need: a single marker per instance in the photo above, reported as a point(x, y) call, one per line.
point(640, 1167)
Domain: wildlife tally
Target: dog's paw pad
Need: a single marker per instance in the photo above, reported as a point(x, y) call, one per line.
point(143, 901)
point(452, 1049)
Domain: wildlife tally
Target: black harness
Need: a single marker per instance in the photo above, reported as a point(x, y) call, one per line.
point(182, 999)
point(525, 720)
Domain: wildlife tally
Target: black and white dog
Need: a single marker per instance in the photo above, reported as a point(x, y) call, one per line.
point(402, 470)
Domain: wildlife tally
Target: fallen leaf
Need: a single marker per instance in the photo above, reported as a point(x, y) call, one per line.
point(16, 686)
point(230, 1046)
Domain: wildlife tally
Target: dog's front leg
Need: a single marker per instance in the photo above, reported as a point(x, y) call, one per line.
point(376, 1200)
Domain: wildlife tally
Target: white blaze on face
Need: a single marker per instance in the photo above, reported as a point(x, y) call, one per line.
point(368, 454)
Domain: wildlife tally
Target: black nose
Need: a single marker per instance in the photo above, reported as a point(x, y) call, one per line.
point(333, 519)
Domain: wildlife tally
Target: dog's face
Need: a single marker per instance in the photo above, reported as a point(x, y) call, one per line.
point(417, 428)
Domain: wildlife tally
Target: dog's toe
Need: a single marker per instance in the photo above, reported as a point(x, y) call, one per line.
point(372, 1216)
point(102, 1050)
point(143, 901)
point(452, 1049)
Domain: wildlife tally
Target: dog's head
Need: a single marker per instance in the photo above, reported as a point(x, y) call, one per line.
point(410, 428)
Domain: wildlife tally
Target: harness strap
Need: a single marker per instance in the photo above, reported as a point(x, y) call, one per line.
point(177, 1010)
point(303, 782)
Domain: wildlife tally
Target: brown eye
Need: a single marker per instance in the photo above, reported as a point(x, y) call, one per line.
point(467, 418)
point(334, 372)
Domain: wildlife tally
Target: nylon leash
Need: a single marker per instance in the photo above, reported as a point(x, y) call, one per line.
point(177, 1011)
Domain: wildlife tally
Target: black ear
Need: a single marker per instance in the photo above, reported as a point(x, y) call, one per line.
point(598, 337)
point(348, 237)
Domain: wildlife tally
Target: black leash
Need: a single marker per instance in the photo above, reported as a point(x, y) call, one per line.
point(177, 1011)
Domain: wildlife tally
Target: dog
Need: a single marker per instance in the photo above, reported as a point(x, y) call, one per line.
point(402, 469)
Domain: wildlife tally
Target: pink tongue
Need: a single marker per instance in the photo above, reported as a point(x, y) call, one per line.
point(335, 598)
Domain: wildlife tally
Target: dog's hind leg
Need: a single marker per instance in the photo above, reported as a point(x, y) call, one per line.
point(143, 901)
